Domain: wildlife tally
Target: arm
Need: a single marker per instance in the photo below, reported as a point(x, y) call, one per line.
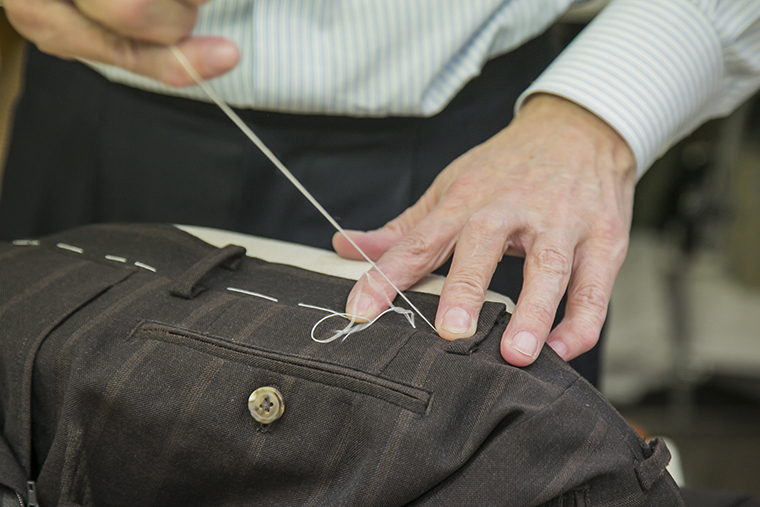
point(133, 34)
point(557, 184)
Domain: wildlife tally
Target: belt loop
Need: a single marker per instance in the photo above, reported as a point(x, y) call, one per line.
point(186, 287)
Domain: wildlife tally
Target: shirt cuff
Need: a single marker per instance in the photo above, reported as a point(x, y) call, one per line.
point(646, 67)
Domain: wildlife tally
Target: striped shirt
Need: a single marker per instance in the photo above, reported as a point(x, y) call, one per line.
point(653, 69)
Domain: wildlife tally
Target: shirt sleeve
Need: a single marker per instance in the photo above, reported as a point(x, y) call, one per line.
point(655, 70)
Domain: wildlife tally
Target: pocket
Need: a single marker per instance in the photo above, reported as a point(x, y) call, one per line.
point(574, 498)
point(404, 396)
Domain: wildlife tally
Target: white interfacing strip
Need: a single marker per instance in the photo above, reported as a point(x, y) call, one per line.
point(284, 170)
point(254, 294)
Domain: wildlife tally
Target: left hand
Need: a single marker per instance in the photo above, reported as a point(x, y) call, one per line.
point(555, 186)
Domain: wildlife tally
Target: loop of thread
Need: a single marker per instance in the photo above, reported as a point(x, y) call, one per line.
point(352, 326)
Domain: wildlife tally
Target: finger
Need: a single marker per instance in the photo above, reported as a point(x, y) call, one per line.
point(209, 56)
point(58, 28)
point(157, 21)
point(589, 294)
point(546, 275)
point(376, 243)
point(424, 248)
point(479, 249)
point(373, 243)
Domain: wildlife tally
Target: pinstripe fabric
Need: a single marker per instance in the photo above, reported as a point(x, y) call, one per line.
point(358, 57)
point(656, 69)
point(149, 404)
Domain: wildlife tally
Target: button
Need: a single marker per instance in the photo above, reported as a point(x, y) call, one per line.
point(266, 405)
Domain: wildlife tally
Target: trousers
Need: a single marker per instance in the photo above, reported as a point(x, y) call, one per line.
point(141, 366)
point(85, 150)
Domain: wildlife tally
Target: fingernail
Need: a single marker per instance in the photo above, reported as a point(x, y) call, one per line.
point(559, 347)
point(456, 321)
point(221, 57)
point(360, 306)
point(526, 343)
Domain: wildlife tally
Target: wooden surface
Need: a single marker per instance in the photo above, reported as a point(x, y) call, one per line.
point(11, 64)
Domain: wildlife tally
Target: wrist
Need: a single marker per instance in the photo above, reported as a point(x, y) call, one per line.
point(552, 109)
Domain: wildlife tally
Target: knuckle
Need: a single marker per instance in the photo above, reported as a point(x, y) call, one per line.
point(468, 284)
point(593, 296)
point(401, 224)
point(539, 310)
point(485, 223)
point(552, 261)
point(416, 252)
point(416, 245)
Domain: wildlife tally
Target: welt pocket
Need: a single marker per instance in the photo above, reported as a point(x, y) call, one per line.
point(402, 395)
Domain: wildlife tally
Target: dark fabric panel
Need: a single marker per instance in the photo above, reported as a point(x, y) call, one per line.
point(139, 397)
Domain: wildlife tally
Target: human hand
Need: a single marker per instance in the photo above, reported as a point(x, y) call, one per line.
point(132, 34)
point(555, 186)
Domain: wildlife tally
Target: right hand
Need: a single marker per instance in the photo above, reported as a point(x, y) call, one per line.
point(132, 34)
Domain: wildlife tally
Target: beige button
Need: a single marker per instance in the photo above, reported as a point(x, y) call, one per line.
point(266, 405)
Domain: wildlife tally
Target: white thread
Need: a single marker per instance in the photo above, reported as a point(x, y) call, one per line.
point(249, 293)
point(26, 242)
point(304, 305)
point(284, 170)
point(115, 258)
point(145, 266)
point(353, 326)
point(70, 248)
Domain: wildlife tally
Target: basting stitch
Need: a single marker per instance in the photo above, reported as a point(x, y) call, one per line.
point(70, 248)
point(255, 294)
point(115, 258)
point(145, 266)
point(26, 242)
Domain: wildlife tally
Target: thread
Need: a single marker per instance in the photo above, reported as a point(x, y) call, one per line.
point(254, 294)
point(284, 170)
point(353, 326)
point(70, 248)
point(145, 266)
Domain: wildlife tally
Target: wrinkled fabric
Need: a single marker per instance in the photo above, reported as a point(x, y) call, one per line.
point(124, 380)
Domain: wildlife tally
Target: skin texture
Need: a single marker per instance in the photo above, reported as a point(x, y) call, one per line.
point(132, 34)
point(555, 186)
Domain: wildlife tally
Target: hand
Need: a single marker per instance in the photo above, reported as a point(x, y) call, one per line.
point(555, 186)
point(132, 34)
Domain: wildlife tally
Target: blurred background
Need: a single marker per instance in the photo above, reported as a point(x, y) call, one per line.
point(682, 351)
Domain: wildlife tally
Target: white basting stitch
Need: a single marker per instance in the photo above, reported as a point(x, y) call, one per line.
point(115, 258)
point(255, 294)
point(70, 248)
point(145, 266)
point(26, 242)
